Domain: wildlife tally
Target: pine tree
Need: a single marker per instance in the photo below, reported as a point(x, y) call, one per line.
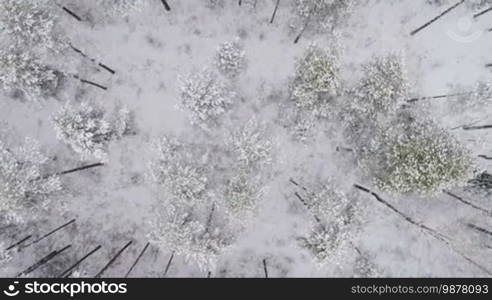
point(251, 150)
point(251, 146)
point(316, 81)
point(205, 97)
point(30, 24)
point(321, 15)
point(87, 129)
point(230, 58)
point(179, 230)
point(22, 183)
point(243, 192)
point(418, 157)
point(384, 85)
point(120, 8)
point(22, 71)
point(336, 225)
point(176, 169)
point(375, 100)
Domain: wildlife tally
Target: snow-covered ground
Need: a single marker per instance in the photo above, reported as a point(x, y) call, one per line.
point(150, 49)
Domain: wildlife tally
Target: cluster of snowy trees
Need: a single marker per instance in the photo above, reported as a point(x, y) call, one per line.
point(336, 224)
point(205, 191)
point(87, 128)
point(401, 150)
point(208, 94)
point(185, 220)
point(252, 151)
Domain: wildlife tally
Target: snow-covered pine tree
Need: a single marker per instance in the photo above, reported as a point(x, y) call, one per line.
point(251, 146)
point(30, 24)
point(243, 192)
point(230, 58)
point(22, 71)
point(316, 81)
point(251, 149)
point(417, 156)
point(123, 122)
point(22, 182)
point(177, 169)
point(384, 85)
point(119, 8)
point(375, 100)
point(179, 229)
point(87, 129)
point(303, 128)
point(205, 96)
point(321, 15)
point(337, 219)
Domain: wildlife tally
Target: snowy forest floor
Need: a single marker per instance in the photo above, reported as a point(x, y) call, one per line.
point(149, 49)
